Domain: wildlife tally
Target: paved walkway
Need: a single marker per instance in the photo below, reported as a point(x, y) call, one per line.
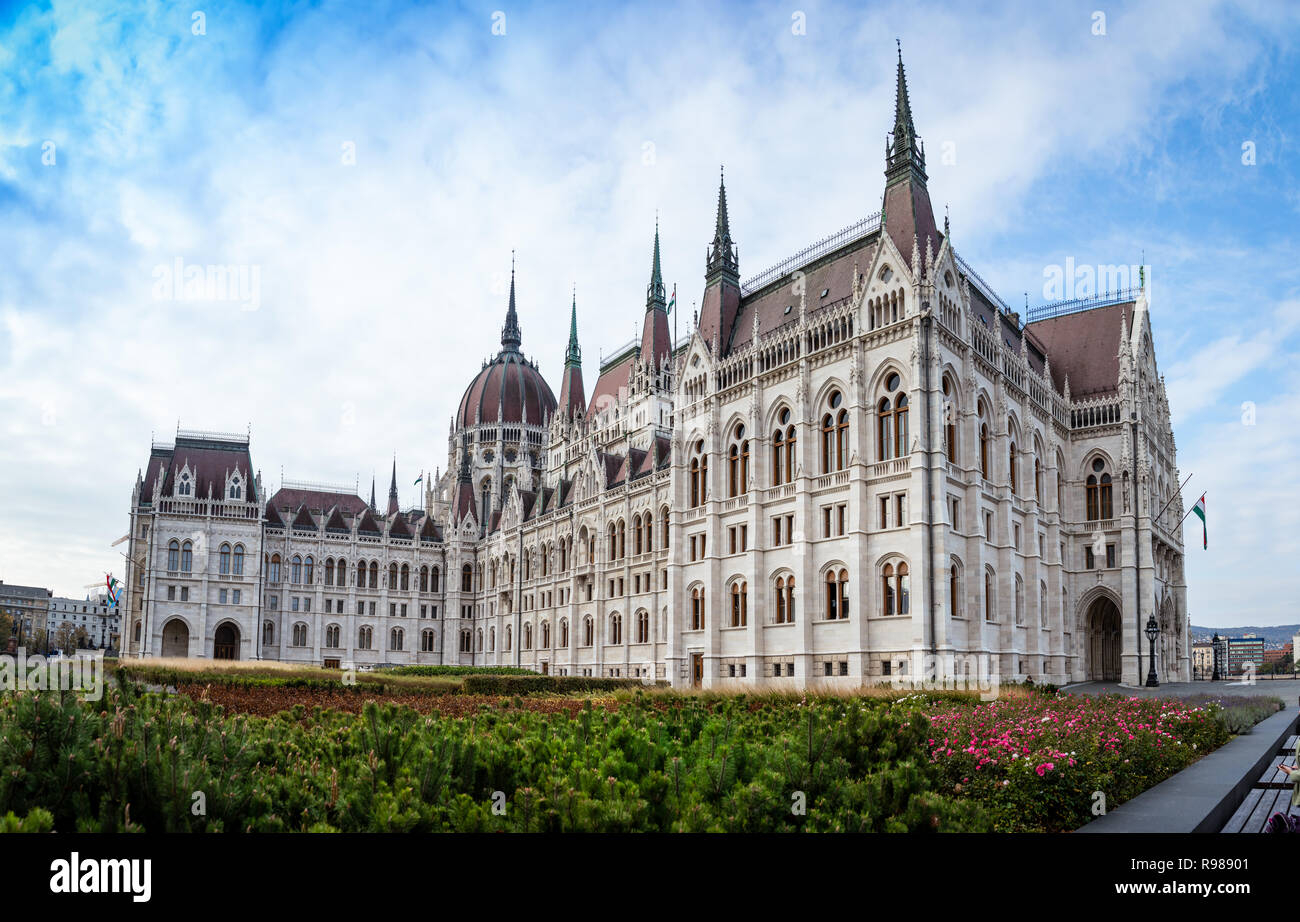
point(1286, 689)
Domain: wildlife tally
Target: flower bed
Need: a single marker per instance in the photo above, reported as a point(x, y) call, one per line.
point(1048, 763)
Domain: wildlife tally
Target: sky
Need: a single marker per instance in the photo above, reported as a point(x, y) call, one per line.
point(369, 169)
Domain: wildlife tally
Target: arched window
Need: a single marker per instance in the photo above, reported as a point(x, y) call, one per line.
point(224, 560)
point(1011, 466)
point(406, 576)
point(1042, 604)
point(466, 578)
point(174, 555)
point(528, 636)
point(433, 579)
point(842, 440)
point(949, 421)
point(374, 574)
point(622, 539)
point(1097, 491)
point(785, 600)
point(699, 475)
point(588, 632)
point(426, 641)
point(237, 560)
point(300, 634)
point(546, 635)
point(985, 437)
point(187, 557)
point(615, 628)
point(309, 570)
point(274, 569)
point(637, 542)
point(1020, 601)
point(647, 525)
point(990, 597)
point(295, 569)
point(643, 626)
point(697, 609)
point(492, 640)
point(828, 443)
point(739, 604)
point(268, 633)
point(185, 485)
point(329, 571)
point(837, 594)
point(900, 426)
point(332, 636)
point(361, 574)
point(954, 591)
point(365, 637)
point(392, 576)
point(887, 588)
point(424, 579)
point(564, 632)
point(1038, 476)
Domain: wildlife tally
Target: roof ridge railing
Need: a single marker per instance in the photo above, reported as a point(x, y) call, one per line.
point(317, 487)
point(1076, 305)
point(240, 437)
point(843, 236)
point(983, 285)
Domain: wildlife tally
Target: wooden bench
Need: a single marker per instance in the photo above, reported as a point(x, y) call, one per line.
point(1270, 794)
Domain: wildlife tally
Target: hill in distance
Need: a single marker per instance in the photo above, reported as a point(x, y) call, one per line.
point(1273, 634)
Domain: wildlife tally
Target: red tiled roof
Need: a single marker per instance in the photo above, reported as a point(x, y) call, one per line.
point(318, 501)
point(610, 382)
point(779, 305)
point(209, 461)
point(1084, 346)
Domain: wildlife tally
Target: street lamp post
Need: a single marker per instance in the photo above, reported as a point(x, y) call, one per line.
point(1214, 657)
point(1152, 632)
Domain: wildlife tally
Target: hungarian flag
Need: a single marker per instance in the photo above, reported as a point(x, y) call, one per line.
point(1199, 509)
point(672, 302)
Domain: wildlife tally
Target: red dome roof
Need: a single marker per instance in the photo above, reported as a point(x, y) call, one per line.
point(510, 389)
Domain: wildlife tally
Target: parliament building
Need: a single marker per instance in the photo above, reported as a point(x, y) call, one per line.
point(859, 465)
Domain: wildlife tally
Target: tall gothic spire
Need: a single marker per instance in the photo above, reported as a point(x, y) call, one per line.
point(722, 253)
point(392, 490)
point(905, 158)
point(510, 337)
point(655, 296)
point(906, 212)
point(573, 355)
point(573, 400)
point(373, 507)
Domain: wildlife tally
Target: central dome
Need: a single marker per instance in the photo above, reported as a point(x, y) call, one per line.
point(509, 388)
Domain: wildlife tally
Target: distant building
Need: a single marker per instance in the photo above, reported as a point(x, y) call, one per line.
point(27, 605)
point(1236, 652)
point(93, 613)
point(1202, 659)
point(1278, 655)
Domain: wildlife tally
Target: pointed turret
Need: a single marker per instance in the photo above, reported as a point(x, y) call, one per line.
point(572, 396)
point(906, 211)
point(656, 343)
point(392, 490)
point(372, 493)
point(510, 335)
point(721, 302)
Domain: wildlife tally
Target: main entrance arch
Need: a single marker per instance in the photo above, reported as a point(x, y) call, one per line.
point(176, 638)
point(225, 643)
point(1103, 639)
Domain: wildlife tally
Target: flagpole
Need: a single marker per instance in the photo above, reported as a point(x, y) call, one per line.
point(1171, 499)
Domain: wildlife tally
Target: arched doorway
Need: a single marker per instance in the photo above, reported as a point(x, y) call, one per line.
point(1103, 640)
point(176, 638)
point(225, 643)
